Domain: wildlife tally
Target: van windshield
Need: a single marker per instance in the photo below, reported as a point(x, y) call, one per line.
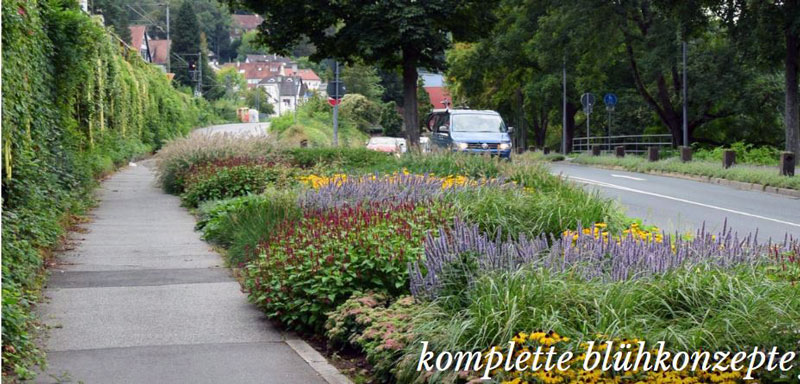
point(477, 122)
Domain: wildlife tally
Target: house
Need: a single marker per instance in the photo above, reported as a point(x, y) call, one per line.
point(257, 71)
point(140, 41)
point(159, 52)
point(243, 24)
point(434, 84)
point(285, 92)
point(310, 79)
point(267, 59)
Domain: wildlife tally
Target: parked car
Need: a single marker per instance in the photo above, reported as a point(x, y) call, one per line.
point(467, 130)
point(387, 144)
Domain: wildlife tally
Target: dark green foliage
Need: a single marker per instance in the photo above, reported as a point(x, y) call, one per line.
point(223, 182)
point(391, 121)
point(343, 158)
point(74, 107)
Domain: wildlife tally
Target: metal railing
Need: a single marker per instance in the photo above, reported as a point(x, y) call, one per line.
point(632, 143)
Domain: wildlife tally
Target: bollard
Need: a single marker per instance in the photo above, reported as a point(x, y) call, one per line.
point(546, 150)
point(728, 158)
point(596, 150)
point(686, 154)
point(652, 153)
point(619, 151)
point(788, 161)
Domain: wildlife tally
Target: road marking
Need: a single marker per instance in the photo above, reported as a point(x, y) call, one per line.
point(614, 186)
point(628, 177)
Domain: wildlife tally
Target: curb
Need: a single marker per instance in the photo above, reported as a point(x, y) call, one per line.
point(317, 362)
point(705, 179)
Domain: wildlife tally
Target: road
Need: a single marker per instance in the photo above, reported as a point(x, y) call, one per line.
point(255, 129)
point(684, 205)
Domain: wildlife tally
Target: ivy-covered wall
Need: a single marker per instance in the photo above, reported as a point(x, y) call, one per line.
point(75, 104)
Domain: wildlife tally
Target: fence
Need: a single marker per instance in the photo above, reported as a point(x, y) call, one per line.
point(632, 143)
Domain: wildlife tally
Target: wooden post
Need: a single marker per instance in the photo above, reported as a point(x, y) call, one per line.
point(788, 161)
point(686, 154)
point(595, 150)
point(619, 151)
point(652, 153)
point(728, 158)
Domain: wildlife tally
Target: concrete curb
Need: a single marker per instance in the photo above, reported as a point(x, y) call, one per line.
point(317, 362)
point(705, 179)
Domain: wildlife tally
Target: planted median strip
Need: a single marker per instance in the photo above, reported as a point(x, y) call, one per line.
point(462, 253)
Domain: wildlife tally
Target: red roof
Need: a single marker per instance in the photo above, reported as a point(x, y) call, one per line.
point(437, 95)
point(305, 74)
point(137, 35)
point(159, 51)
point(257, 70)
point(247, 22)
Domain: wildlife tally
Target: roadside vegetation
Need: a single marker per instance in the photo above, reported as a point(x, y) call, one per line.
point(748, 173)
point(377, 253)
point(75, 107)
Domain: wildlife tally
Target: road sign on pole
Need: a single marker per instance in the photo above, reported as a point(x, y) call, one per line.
point(587, 100)
point(610, 100)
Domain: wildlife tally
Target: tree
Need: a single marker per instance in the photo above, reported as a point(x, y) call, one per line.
point(405, 35)
point(769, 31)
point(114, 15)
point(186, 44)
point(258, 98)
point(362, 79)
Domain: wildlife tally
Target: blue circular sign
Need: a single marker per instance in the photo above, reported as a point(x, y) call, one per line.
point(610, 99)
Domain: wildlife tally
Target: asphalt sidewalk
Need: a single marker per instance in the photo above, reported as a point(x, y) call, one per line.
point(141, 299)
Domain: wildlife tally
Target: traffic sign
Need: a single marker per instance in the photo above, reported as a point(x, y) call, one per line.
point(332, 89)
point(610, 99)
point(587, 100)
point(333, 102)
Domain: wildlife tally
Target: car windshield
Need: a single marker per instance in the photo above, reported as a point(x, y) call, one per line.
point(477, 122)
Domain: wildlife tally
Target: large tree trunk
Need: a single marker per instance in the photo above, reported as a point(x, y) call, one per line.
point(791, 109)
point(410, 114)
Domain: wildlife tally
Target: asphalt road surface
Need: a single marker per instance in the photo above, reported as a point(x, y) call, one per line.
point(684, 205)
point(255, 129)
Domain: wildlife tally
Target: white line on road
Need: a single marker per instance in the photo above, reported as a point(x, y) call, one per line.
point(614, 186)
point(628, 177)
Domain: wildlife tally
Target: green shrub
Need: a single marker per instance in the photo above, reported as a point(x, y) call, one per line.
point(214, 182)
point(449, 163)
point(361, 111)
point(349, 159)
point(745, 154)
point(177, 159)
point(242, 223)
point(313, 122)
point(307, 268)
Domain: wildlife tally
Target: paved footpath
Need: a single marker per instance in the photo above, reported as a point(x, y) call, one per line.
point(141, 299)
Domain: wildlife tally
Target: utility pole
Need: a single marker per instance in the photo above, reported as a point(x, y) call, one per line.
point(336, 107)
point(169, 43)
point(200, 70)
point(564, 107)
point(685, 99)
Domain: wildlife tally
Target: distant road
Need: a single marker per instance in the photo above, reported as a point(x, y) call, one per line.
point(254, 129)
point(683, 205)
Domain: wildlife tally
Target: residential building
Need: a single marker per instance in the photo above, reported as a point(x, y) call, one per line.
point(243, 24)
point(140, 41)
point(434, 84)
point(285, 92)
point(310, 79)
point(159, 52)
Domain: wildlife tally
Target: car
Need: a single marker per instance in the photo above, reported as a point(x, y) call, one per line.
point(471, 131)
point(387, 144)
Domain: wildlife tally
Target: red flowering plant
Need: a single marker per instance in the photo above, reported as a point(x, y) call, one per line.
point(306, 268)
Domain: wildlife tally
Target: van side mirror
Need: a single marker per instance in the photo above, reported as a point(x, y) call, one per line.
point(444, 129)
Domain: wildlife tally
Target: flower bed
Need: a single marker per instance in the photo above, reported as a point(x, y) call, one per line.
point(487, 249)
